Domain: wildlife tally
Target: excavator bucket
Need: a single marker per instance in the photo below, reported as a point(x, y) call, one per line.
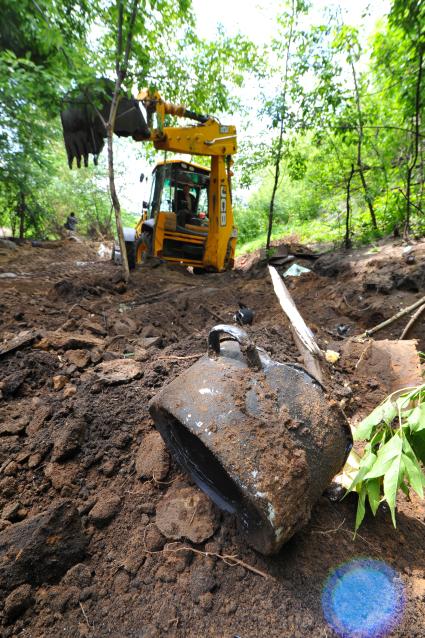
point(83, 129)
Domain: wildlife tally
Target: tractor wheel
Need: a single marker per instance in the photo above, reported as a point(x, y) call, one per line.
point(143, 247)
point(130, 247)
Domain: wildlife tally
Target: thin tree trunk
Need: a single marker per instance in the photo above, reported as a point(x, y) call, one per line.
point(412, 165)
point(121, 70)
point(359, 149)
point(275, 184)
point(112, 189)
point(347, 240)
point(384, 170)
point(21, 212)
point(278, 158)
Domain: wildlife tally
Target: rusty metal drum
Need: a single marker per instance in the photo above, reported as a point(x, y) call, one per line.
point(261, 438)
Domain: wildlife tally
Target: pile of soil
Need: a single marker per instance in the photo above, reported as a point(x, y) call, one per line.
point(90, 499)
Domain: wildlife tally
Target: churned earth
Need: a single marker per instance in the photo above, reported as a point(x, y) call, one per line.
point(94, 513)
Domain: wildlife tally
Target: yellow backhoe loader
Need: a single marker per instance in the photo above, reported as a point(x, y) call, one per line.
point(189, 216)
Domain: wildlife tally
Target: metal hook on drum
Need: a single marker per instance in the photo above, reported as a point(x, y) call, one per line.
point(239, 335)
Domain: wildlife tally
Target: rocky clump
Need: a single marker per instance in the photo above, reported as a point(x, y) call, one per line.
point(11, 384)
point(17, 602)
point(41, 548)
point(106, 508)
point(152, 459)
point(118, 371)
point(68, 439)
point(79, 358)
point(68, 341)
point(186, 512)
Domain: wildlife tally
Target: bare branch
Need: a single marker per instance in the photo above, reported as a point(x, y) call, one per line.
point(412, 321)
point(129, 42)
point(230, 559)
point(119, 37)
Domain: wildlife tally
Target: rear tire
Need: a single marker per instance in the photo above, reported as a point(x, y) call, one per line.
point(143, 248)
point(130, 248)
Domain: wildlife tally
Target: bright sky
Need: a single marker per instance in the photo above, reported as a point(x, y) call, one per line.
point(256, 20)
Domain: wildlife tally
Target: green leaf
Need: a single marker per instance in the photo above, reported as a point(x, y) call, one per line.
point(407, 449)
point(392, 480)
point(373, 487)
point(385, 412)
point(386, 455)
point(404, 489)
point(416, 419)
point(365, 465)
point(361, 509)
point(414, 474)
point(417, 441)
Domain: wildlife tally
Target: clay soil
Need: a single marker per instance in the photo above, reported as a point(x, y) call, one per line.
point(75, 427)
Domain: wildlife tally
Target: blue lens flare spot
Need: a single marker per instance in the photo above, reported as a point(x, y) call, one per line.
point(363, 599)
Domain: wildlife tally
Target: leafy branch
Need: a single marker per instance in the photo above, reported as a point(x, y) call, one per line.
point(394, 453)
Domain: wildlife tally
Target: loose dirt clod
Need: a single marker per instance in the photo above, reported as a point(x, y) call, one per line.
point(17, 602)
point(186, 512)
point(118, 371)
point(152, 458)
point(106, 508)
point(41, 548)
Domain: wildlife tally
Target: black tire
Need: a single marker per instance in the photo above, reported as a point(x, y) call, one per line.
point(197, 270)
point(130, 248)
point(147, 238)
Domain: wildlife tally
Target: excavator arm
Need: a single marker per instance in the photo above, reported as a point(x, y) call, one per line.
point(85, 113)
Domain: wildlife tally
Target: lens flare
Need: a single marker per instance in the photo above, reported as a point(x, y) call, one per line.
point(363, 599)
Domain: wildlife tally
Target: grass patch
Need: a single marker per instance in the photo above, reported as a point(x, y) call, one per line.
point(312, 231)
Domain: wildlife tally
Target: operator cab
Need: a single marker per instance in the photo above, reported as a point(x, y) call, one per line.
point(181, 188)
point(177, 212)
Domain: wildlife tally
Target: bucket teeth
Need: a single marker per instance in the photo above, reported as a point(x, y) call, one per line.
point(83, 120)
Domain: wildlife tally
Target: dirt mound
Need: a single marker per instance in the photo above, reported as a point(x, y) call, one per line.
point(72, 433)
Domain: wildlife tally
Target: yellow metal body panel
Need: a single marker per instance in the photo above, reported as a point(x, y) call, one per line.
point(220, 214)
point(208, 139)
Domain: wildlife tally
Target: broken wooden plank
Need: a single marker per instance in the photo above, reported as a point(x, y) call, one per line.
point(302, 334)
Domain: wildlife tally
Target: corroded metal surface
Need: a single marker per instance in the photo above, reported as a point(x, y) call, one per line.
point(263, 443)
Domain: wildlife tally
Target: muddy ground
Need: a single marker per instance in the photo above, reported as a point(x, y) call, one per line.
point(90, 500)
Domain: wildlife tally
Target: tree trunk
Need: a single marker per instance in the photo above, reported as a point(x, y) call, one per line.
point(347, 240)
point(121, 70)
point(21, 213)
point(275, 184)
point(412, 165)
point(367, 197)
point(278, 157)
point(359, 149)
point(111, 172)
